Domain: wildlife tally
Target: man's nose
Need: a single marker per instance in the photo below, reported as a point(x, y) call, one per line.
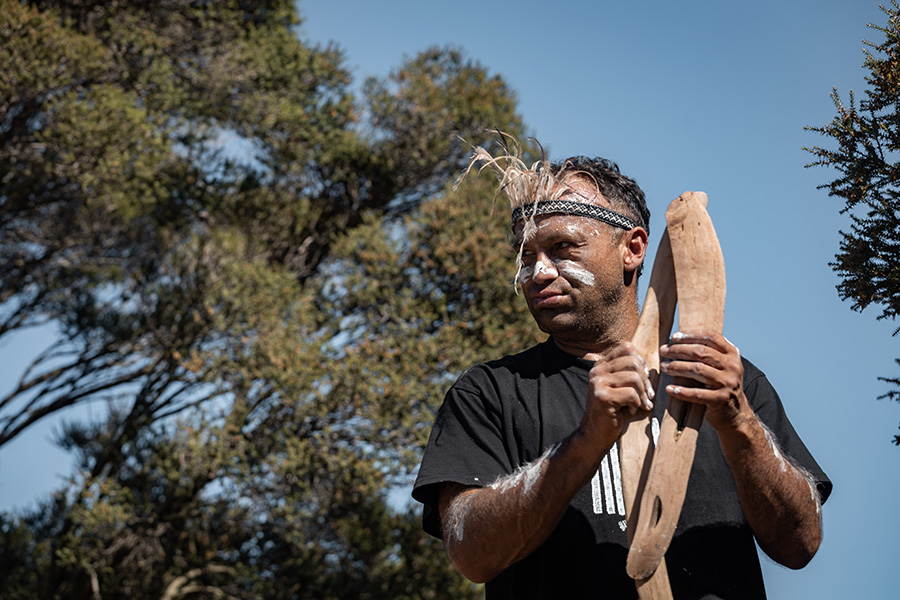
point(544, 269)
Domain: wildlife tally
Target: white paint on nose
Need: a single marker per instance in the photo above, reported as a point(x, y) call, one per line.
point(542, 268)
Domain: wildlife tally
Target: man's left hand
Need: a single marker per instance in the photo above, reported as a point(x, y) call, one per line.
point(715, 364)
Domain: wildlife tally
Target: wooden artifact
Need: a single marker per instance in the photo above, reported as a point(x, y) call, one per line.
point(636, 442)
point(688, 266)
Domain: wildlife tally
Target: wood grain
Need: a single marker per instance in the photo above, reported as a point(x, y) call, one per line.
point(636, 442)
point(700, 282)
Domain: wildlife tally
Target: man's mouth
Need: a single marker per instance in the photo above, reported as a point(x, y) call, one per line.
point(547, 299)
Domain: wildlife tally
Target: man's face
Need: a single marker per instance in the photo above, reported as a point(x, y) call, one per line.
point(572, 273)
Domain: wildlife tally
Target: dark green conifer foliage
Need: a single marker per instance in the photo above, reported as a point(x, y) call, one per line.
point(867, 159)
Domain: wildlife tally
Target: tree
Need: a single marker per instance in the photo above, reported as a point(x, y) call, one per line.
point(264, 277)
point(287, 498)
point(868, 140)
point(126, 221)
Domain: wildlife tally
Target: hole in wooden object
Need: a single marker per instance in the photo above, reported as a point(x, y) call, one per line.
point(682, 419)
point(680, 415)
point(657, 511)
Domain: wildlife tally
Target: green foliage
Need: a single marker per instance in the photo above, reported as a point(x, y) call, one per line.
point(867, 158)
point(427, 103)
point(268, 291)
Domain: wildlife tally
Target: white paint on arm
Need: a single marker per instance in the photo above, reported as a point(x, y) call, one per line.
point(456, 519)
point(522, 481)
point(786, 463)
point(525, 476)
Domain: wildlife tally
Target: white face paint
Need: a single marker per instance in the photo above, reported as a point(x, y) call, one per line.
point(576, 272)
point(570, 269)
point(581, 228)
point(546, 267)
point(525, 274)
point(542, 268)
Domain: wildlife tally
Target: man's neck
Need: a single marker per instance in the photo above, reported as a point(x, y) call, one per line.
point(578, 350)
point(592, 348)
point(587, 350)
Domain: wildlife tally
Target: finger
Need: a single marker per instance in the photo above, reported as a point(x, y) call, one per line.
point(730, 343)
point(691, 394)
point(618, 388)
point(631, 364)
point(628, 362)
point(712, 339)
point(623, 350)
point(698, 395)
point(694, 353)
point(697, 371)
point(715, 400)
point(622, 388)
point(625, 362)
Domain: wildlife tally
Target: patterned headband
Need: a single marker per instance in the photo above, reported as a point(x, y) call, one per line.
point(568, 207)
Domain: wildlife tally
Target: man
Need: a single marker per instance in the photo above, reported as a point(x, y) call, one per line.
point(520, 476)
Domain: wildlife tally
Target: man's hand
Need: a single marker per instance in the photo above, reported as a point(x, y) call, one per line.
point(779, 500)
point(618, 387)
point(715, 363)
point(488, 529)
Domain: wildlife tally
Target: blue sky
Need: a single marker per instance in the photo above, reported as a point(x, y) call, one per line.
point(709, 96)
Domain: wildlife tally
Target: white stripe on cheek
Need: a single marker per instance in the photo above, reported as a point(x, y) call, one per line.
point(576, 272)
point(525, 274)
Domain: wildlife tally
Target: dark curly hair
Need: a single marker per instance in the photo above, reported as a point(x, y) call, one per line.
point(622, 192)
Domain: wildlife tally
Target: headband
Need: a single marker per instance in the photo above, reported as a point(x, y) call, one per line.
point(568, 207)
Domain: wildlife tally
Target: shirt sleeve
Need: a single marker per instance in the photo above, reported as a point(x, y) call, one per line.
point(768, 407)
point(465, 446)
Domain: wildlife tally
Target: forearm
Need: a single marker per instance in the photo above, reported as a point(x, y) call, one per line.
point(779, 501)
point(778, 498)
point(488, 529)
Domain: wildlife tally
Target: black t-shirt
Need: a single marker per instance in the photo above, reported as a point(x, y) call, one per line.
point(506, 413)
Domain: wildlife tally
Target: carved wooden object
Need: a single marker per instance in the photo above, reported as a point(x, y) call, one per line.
point(636, 443)
point(688, 269)
point(700, 282)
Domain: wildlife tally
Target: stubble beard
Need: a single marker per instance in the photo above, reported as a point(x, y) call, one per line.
point(596, 322)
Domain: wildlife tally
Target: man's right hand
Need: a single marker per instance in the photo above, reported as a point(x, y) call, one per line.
point(488, 529)
point(618, 387)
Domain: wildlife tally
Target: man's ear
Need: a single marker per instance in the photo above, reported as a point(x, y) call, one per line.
point(634, 248)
